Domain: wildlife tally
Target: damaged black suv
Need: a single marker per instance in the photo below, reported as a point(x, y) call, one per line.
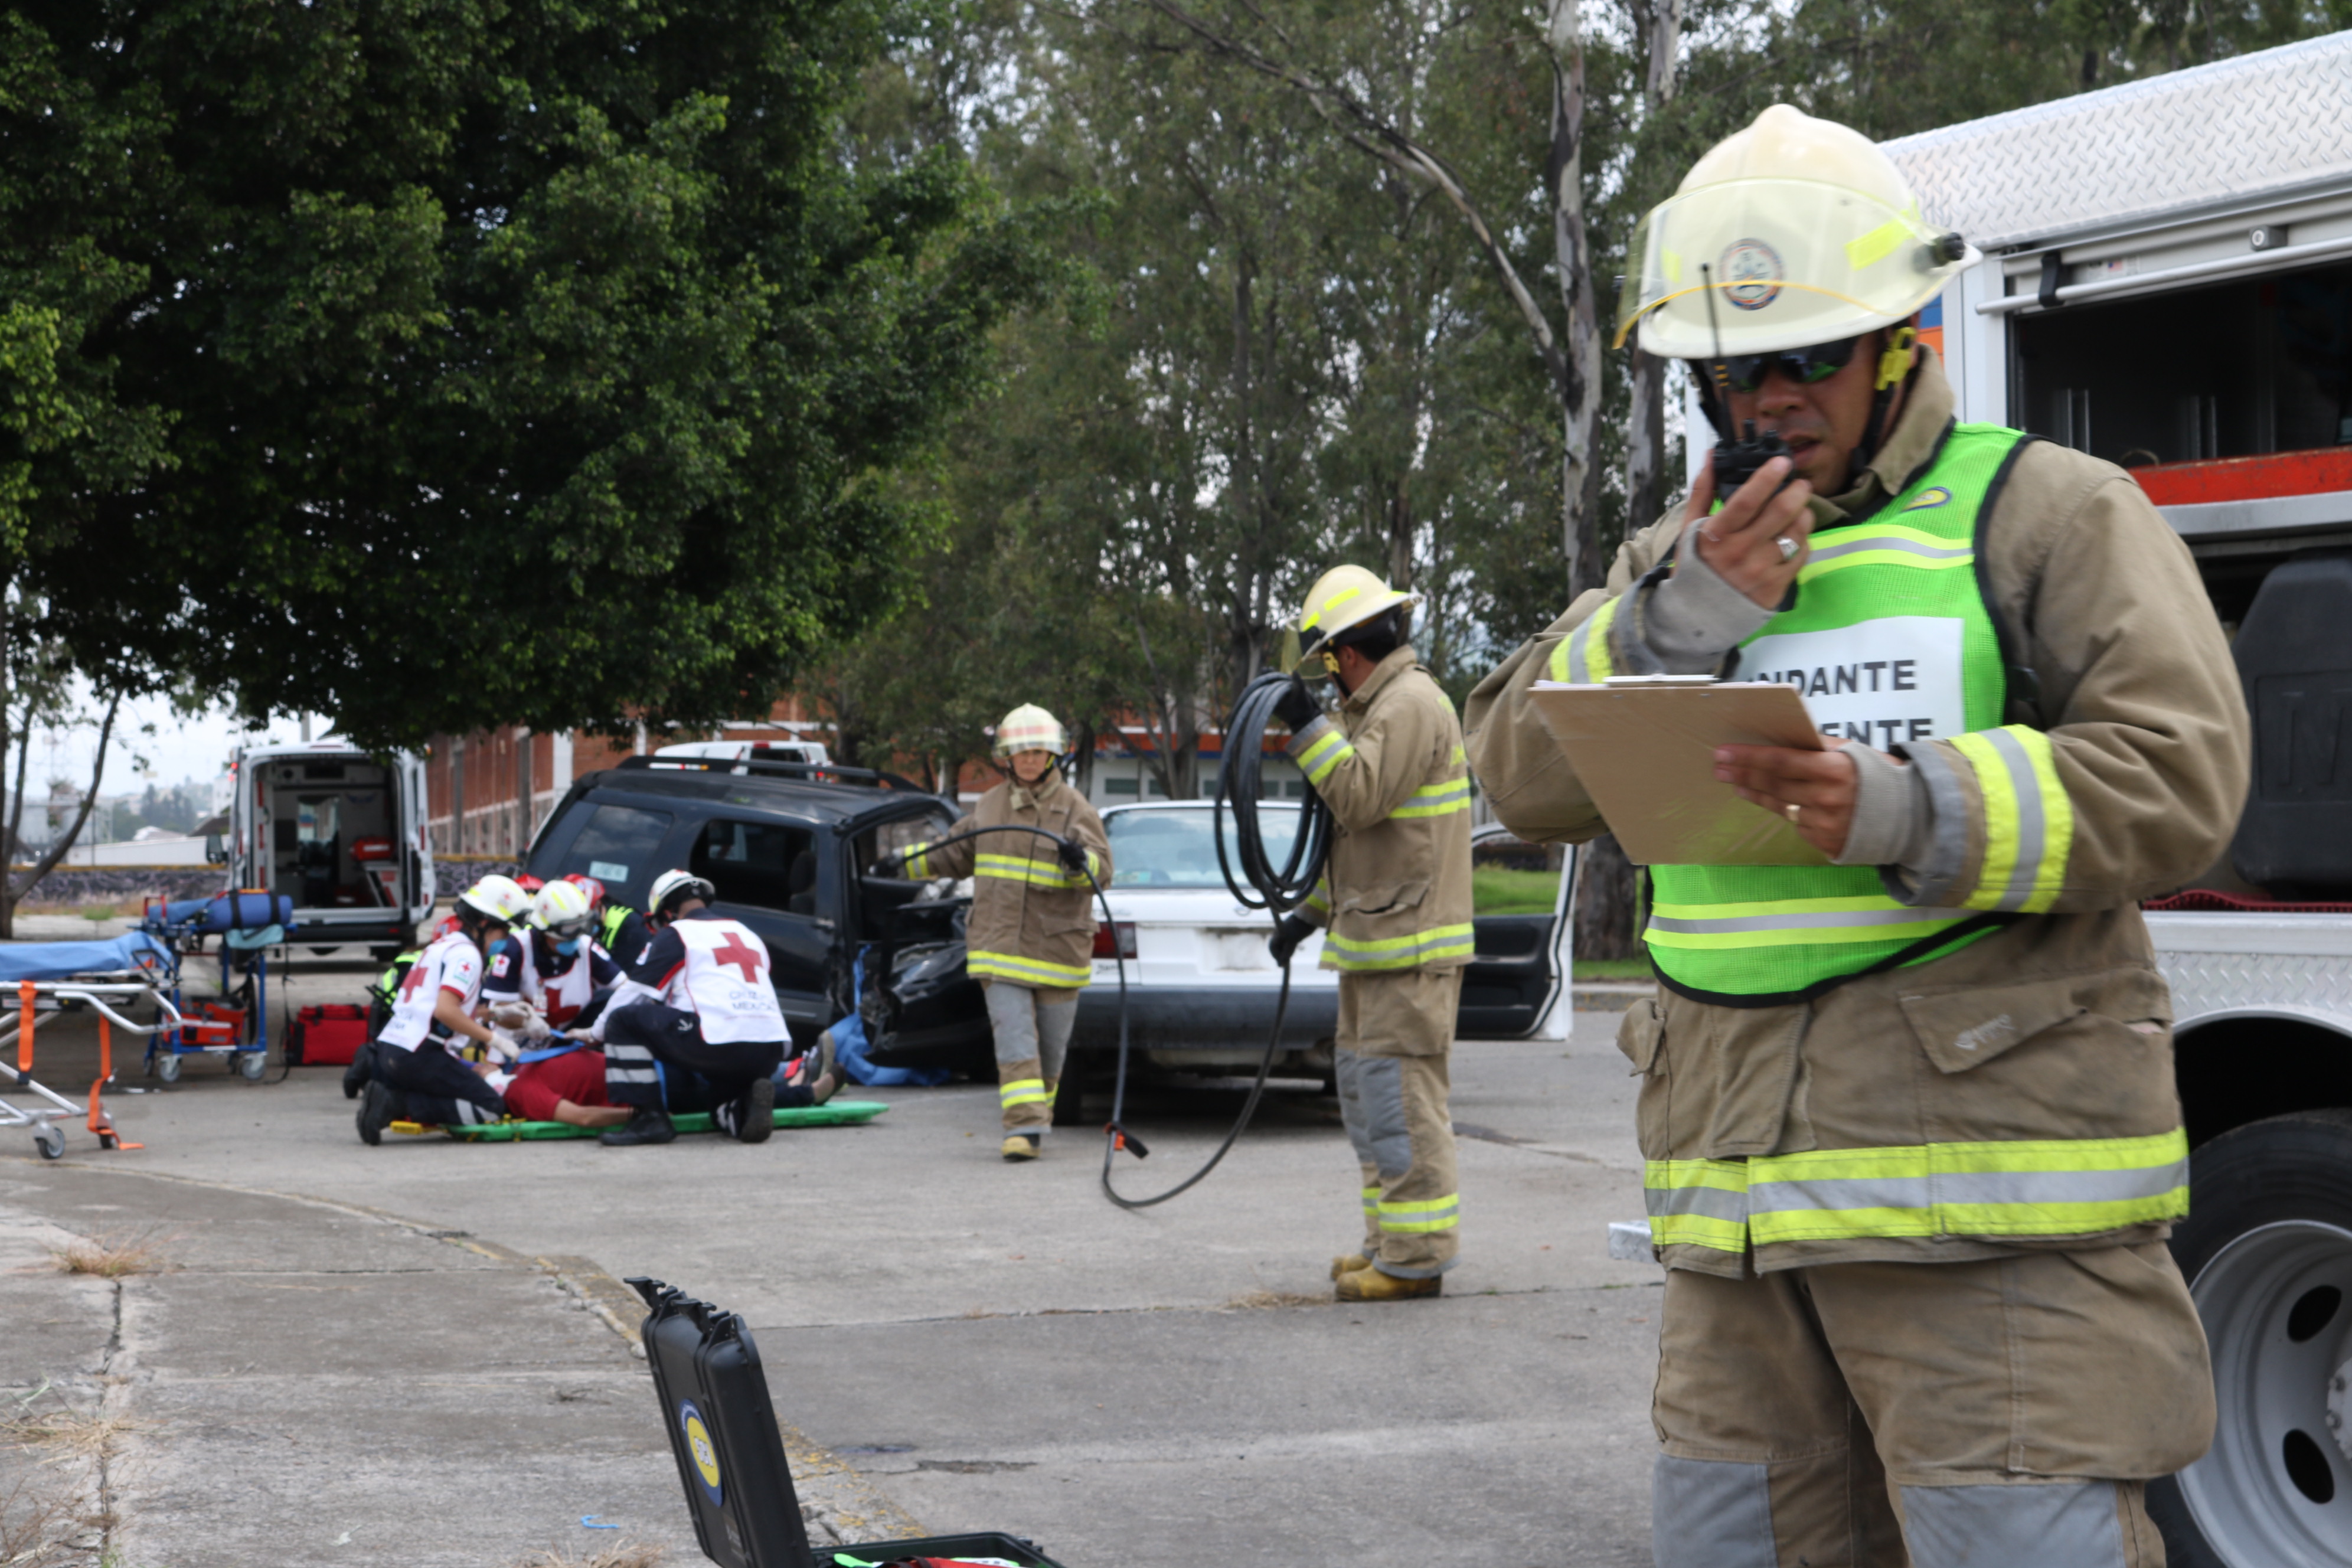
point(786, 845)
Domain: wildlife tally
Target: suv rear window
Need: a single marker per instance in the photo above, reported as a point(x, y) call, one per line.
point(767, 865)
point(616, 844)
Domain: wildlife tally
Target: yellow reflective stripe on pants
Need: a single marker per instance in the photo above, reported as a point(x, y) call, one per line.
point(1583, 656)
point(1027, 971)
point(1423, 1217)
point(1371, 1202)
point(2029, 821)
point(1023, 1091)
point(1400, 952)
point(1321, 747)
point(1437, 800)
point(2056, 1186)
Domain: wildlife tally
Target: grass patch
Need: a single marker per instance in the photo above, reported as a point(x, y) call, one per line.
point(1262, 1300)
point(1498, 890)
point(620, 1554)
point(116, 1254)
point(1612, 969)
point(63, 1434)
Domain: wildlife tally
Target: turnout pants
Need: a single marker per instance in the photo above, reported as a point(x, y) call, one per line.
point(2006, 1412)
point(643, 1039)
point(1032, 1025)
point(1396, 1031)
point(435, 1087)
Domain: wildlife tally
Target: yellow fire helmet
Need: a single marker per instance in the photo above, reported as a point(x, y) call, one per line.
point(1342, 597)
point(1809, 235)
point(1029, 727)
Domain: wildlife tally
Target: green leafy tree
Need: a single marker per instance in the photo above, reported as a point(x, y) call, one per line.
point(444, 363)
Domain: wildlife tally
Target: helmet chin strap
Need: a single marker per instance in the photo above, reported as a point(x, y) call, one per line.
point(1895, 363)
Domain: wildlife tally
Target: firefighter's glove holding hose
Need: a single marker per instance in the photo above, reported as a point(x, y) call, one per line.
point(1072, 855)
point(1291, 930)
point(1297, 706)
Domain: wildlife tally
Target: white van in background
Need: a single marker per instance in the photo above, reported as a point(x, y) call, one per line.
point(340, 831)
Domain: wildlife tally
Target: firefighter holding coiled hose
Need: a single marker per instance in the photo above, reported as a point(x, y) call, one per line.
point(1395, 896)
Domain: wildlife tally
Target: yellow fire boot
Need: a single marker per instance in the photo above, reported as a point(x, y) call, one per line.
point(1348, 1263)
point(1021, 1146)
point(1371, 1285)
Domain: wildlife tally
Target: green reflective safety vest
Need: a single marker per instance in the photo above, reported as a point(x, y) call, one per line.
point(1891, 641)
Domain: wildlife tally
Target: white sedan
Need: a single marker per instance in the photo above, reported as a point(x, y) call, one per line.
point(1201, 987)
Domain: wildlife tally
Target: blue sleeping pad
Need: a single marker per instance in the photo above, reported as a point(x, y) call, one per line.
point(134, 949)
point(217, 913)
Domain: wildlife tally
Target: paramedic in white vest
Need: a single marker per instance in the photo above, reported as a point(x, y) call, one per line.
point(1911, 1144)
point(435, 1007)
point(699, 999)
point(543, 973)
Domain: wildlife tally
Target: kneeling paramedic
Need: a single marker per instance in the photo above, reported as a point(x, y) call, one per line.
point(1396, 896)
point(698, 1000)
point(549, 970)
point(435, 1004)
point(1911, 1135)
point(1030, 937)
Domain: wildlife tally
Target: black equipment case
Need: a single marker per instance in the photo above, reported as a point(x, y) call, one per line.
point(731, 1455)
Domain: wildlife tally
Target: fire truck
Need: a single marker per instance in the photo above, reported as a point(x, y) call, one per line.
point(2167, 283)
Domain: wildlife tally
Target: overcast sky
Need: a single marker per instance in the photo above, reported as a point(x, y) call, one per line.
point(179, 750)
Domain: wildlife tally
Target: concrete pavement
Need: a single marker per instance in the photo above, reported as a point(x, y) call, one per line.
point(993, 1346)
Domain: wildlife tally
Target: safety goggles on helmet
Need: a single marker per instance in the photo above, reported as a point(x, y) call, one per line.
point(1805, 366)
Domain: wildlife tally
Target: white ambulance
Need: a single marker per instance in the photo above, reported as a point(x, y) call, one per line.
point(340, 831)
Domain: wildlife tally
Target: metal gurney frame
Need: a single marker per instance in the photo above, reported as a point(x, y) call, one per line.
point(149, 971)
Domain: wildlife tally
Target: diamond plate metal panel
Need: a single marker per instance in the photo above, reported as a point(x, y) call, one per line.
point(2206, 983)
point(2271, 120)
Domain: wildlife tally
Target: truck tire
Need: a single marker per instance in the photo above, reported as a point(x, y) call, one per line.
point(2267, 1249)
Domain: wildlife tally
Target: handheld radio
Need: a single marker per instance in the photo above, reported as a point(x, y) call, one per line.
point(1736, 462)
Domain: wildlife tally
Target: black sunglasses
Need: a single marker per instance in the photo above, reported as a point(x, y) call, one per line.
point(1805, 366)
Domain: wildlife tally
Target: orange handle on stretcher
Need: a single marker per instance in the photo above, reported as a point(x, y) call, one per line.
point(24, 1033)
point(99, 1121)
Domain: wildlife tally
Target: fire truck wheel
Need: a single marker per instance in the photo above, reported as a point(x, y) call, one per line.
point(2267, 1249)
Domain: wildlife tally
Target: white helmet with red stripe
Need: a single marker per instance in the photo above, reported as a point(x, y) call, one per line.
point(1029, 727)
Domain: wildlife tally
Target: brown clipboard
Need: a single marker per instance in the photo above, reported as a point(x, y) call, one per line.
point(1645, 752)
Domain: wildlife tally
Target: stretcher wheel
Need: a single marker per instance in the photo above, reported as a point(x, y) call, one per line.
point(109, 1140)
point(252, 1064)
point(50, 1141)
point(167, 1066)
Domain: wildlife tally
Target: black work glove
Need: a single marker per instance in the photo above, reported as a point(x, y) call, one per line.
point(1287, 935)
point(889, 866)
point(1073, 857)
point(1297, 706)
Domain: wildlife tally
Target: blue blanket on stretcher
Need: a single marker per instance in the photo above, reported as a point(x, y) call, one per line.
point(134, 949)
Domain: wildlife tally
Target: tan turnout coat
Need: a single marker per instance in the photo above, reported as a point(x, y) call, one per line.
point(1032, 922)
point(2058, 1026)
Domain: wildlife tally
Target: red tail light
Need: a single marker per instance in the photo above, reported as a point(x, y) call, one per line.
point(1125, 939)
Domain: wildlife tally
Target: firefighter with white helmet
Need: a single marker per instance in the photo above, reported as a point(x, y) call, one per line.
point(1396, 897)
point(1911, 1137)
point(435, 1007)
point(1029, 940)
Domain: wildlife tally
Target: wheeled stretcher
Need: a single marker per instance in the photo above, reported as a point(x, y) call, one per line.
point(234, 1025)
point(110, 978)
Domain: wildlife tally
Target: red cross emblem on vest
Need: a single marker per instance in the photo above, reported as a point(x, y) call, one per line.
point(749, 960)
point(415, 978)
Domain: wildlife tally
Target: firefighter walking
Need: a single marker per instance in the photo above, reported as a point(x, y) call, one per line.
point(1911, 1139)
point(1396, 897)
point(1029, 940)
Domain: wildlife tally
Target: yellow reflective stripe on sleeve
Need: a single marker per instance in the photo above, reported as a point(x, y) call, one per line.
point(1697, 1203)
point(1437, 800)
point(1324, 752)
point(918, 861)
point(2029, 821)
point(1583, 656)
point(1319, 900)
point(1400, 952)
point(1423, 1216)
point(1026, 970)
point(1023, 1091)
point(2059, 1186)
